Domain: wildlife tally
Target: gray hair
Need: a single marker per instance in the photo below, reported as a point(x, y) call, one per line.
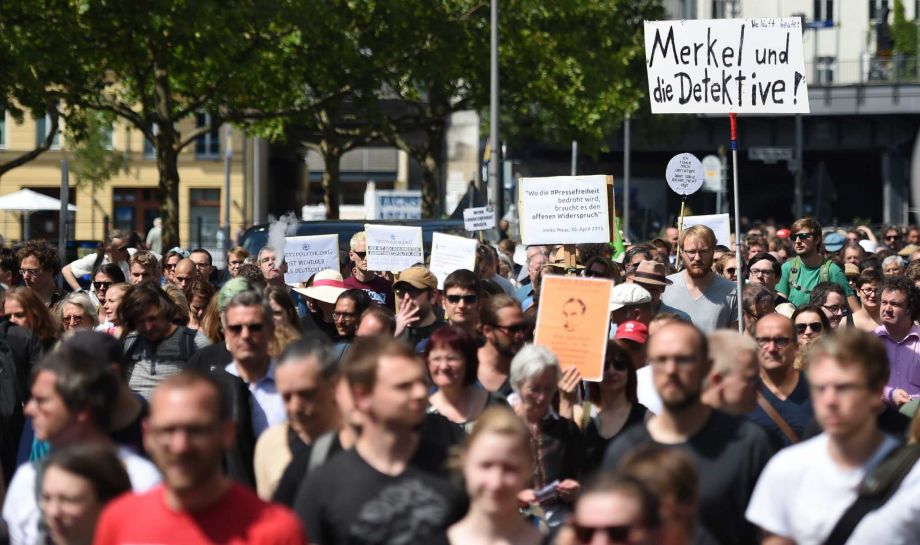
point(80, 300)
point(312, 347)
point(892, 259)
point(249, 298)
point(532, 361)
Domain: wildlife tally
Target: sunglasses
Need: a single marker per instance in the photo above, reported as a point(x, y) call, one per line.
point(615, 534)
point(102, 286)
point(169, 267)
point(511, 330)
point(468, 299)
point(619, 365)
point(361, 255)
point(731, 270)
point(814, 326)
point(236, 329)
point(588, 273)
point(780, 342)
point(802, 236)
point(891, 237)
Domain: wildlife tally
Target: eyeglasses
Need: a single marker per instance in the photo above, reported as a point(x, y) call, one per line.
point(236, 329)
point(814, 326)
point(169, 267)
point(343, 315)
point(615, 534)
point(891, 237)
point(361, 255)
point(468, 299)
point(835, 309)
point(802, 236)
point(102, 286)
point(868, 291)
point(76, 319)
point(761, 272)
point(779, 342)
point(686, 359)
point(589, 273)
point(511, 330)
point(731, 270)
point(29, 272)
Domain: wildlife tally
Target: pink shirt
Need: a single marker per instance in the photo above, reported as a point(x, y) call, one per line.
point(903, 361)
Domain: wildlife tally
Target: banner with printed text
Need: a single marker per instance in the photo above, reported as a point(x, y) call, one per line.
point(306, 256)
point(563, 210)
point(711, 66)
point(393, 247)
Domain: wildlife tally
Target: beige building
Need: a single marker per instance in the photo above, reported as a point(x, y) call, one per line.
point(130, 199)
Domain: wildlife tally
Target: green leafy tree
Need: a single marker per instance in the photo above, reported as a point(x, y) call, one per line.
point(92, 159)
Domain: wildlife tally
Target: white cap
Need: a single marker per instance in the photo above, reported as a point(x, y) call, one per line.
point(628, 294)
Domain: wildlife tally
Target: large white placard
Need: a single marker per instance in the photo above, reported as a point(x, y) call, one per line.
point(479, 219)
point(393, 247)
point(719, 223)
point(450, 253)
point(563, 210)
point(398, 205)
point(726, 65)
point(306, 256)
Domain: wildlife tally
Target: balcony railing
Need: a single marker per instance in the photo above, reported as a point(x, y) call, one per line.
point(868, 70)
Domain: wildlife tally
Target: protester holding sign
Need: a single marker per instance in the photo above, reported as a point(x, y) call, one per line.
point(377, 287)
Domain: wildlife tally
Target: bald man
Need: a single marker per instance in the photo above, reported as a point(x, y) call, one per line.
point(783, 400)
point(186, 273)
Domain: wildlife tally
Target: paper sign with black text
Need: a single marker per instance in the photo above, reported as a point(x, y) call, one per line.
point(711, 66)
point(563, 210)
point(573, 320)
point(306, 256)
point(719, 223)
point(393, 247)
point(450, 253)
point(684, 174)
point(479, 219)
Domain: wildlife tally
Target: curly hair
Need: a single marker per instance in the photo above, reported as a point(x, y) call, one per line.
point(45, 253)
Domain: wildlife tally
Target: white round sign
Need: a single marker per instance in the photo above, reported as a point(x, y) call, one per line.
point(712, 173)
point(684, 174)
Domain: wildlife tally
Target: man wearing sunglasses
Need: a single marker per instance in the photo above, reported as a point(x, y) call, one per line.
point(808, 268)
point(461, 300)
point(614, 510)
point(783, 404)
point(377, 287)
point(503, 328)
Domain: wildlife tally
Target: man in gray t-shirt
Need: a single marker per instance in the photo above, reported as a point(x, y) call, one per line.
point(156, 348)
point(706, 297)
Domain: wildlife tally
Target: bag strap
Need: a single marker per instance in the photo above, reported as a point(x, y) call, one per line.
point(320, 450)
point(825, 273)
point(794, 272)
point(777, 419)
point(876, 488)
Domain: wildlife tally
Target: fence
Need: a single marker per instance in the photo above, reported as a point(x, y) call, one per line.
point(867, 70)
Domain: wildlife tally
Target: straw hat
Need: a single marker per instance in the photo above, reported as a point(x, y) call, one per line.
point(327, 286)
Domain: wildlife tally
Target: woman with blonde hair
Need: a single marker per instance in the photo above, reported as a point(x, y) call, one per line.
point(496, 464)
point(25, 309)
point(112, 304)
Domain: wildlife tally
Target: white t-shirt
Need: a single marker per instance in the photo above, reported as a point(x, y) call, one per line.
point(20, 509)
point(802, 493)
point(645, 390)
point(84, 265)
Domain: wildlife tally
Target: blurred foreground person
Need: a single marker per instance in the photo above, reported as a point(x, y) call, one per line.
point(614, 510)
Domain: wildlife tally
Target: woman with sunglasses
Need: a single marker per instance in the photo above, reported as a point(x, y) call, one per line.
point(727, 267)
point(103, 277)
point(601, 267)
point(452, 364)
point(496, 462)
point(810, 325)
point(76, 312)
point(612, 406)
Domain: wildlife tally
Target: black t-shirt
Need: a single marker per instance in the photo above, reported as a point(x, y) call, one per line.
point(415, 335)
point(132, 435)
point(296, 472)
point(596, 445)
point(729, 453)
point(562, 451)
point(349, 502)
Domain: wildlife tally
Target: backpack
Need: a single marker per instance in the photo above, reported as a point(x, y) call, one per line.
point(824, 274)
point(187, 346)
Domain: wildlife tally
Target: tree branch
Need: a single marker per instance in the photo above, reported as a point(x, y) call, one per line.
point(41, 148)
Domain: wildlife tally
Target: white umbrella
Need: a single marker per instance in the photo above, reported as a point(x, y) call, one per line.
point(28, 201)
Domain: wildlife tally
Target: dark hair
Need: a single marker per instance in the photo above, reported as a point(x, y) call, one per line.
point(616, 352)
point(252, 273)
point(666, 471)
point(905, 286)
point(870, 276)
point(202, 289)
point(111, 270)
point(383, 315)
point(143, 296)
point(752, 295)
point(645, 250)
point(98, 463)
point(360, 298)
point(282, 297)
point(912, 272)
point(612, 270)
point(820, 292)
point(760, 256)
point(488, 314)
point(45, 253)
point(203, 251)
point(312, 346)
point(459, 340)
point(464, 279)
point(82, 383)
point(825, 323)
point(8, 261)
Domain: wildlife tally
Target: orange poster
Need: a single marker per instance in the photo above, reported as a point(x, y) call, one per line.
point(573, 321)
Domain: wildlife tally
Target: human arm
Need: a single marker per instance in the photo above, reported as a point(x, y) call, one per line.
point(406, 316)
point(868, 232)
point(773, 539)
point(568, 392)
point(67, 273)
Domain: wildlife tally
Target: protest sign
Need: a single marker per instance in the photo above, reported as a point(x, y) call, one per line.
point(684, 174)
point(726, 65)
point(306, 256)
point(563, 210)
point(393, 247)
point(449, 253)
point(719, 223)
point(479, 219)
point(573, 320)
point(398, 205)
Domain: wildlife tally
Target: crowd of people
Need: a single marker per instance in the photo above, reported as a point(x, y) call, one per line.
point(159, 400)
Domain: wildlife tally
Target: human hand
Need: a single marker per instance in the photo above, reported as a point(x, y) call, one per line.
point(407, 315)
point(568, 382)
point(568, 490)
point(527, 497)
point(900, 397)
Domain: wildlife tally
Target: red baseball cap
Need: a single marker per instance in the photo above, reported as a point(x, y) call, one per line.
point(633, 331)
point(783, 233)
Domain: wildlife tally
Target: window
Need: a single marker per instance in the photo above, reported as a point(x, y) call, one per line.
point(725, 9)
point(3, 129)
point(42, 128)
point(824, 70)
point(876, 7)
point(149, 151)
point(135, 209)
point(207, 146)
point(824, 10)
point(204, 215)
point(718, 9)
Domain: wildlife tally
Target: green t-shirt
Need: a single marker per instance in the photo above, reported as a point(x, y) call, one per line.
point(808, 278)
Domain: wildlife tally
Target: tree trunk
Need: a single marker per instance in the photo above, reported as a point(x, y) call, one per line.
point(431, 169)
point(332, 157)
point(168, 167)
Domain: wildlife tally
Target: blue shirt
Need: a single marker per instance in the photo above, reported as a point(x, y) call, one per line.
point(267, 407)
point(796, 410)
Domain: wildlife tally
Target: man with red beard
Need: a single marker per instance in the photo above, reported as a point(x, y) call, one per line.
point(706, 297)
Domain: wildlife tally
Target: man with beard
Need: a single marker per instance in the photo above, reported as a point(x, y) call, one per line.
point(728, 451)
point(388, 488)
point(807, 269)
point(709, 299)
point(188, 430)
point(503, 329)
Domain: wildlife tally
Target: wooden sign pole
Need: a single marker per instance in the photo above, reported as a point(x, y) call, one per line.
point(680, 230)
